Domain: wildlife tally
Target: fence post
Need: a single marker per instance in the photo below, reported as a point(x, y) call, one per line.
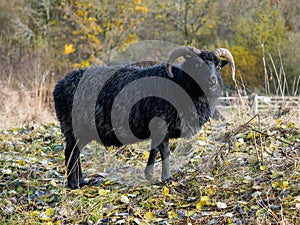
point(255, 104)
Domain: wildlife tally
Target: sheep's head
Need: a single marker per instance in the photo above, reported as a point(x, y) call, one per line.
point(207, 63)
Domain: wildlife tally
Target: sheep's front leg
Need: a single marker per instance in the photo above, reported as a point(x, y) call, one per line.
point(164, 150)
point(149, 171)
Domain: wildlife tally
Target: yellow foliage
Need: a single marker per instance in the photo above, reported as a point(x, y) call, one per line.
point(166, 191)
point(172, 214)
point(132, 38)
point(82, 64)
point(81, 13)
point(203, 201)
point(93, 38)
point(49, 212)
point(142, 9)
point(102, 192)
point(69, 48)
point(149, 216)
point(210, 190)
point(146, 155)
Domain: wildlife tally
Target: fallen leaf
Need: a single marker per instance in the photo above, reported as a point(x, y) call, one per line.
point(221, 205)
point(125, 199)
point(149, 216)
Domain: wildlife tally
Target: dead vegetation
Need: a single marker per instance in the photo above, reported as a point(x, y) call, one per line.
point(21, 107)
point(243, 172)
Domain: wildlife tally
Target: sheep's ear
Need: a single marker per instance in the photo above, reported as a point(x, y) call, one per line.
point(223, 63)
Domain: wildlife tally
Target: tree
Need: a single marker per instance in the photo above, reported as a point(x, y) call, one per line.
point(180, 21)
point(95, 27)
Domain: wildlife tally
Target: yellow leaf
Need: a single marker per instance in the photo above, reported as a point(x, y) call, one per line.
point(21, 162)
point(250, 135)
point(227, 162)
point(203, 201)
point(166, 191)
point(64, 191)
point(149, 216)
point(69, 49)
point(259, 212)
point(172, 214)
point(284, 184)
point(34, 213)
point(31, 202)
point(275, 184)
point(142, 9)
point(202, 138)
point(199, 205)
point(146, 155)
point(276, 174)
point(263, 167)
point(291, 124)
point(190, 213)
point(81, 13)
point(49, 212)
point(102, 192)
point(210, 191)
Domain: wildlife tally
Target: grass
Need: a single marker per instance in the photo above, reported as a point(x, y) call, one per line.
point(246, 172)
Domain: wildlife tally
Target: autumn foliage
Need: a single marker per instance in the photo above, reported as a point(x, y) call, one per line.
point(76, 33)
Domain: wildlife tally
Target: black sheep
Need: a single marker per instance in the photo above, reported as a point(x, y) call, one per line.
point(91, 104)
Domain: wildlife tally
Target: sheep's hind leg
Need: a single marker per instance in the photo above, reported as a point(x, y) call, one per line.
point(72, 160)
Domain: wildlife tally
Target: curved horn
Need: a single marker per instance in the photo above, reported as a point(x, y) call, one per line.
point(223, 52)
point(178, 52)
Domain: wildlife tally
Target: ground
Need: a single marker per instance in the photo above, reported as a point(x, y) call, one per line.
point(244, 171)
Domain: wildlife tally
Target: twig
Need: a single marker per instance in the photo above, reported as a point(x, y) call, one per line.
point(268, 135)
point(138, 214)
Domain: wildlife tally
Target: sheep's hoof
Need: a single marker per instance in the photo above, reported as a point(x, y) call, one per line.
point(96, 181)
point(75, 185)
point(83, 183)
point(149, 172)
point(168, 180)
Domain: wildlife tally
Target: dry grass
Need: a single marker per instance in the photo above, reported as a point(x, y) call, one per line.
point(22, 107)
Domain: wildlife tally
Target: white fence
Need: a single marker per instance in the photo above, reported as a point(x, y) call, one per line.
point(261, 104)
point(273, 103)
